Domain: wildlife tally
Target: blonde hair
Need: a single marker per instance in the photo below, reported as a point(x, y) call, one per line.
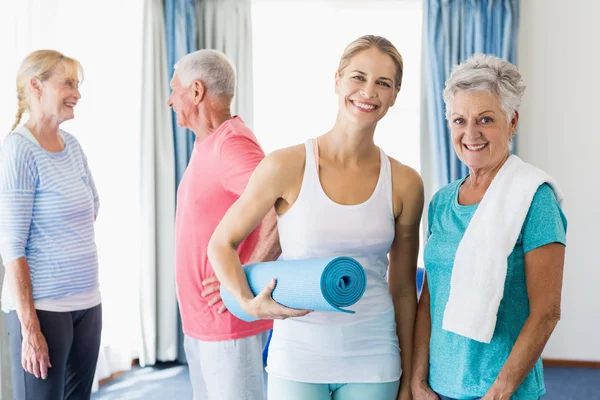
point(41, 64)
point(382, 44)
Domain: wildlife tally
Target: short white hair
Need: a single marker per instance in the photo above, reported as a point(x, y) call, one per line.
point(212, 68)
point(487, 73)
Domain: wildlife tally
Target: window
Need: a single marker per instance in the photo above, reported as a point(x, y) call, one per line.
point(297, 46)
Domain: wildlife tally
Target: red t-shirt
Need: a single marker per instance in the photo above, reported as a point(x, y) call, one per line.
point(215, 178)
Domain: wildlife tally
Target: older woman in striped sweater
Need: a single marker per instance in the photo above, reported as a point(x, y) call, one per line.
point(48, 205)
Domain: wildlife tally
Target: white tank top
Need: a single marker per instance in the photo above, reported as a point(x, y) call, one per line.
point(329, 347)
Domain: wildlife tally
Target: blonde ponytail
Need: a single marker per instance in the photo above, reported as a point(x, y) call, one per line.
point(21, 108)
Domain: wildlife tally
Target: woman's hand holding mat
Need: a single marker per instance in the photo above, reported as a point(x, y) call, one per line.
point(264, 307)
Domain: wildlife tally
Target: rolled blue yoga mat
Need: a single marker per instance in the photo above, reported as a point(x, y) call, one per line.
point(320, 284)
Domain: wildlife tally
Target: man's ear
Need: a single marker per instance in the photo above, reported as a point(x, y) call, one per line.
point(199, 91)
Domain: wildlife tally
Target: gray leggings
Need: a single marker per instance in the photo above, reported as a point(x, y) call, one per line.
point(73, 342)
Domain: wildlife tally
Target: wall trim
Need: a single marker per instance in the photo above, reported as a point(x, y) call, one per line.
point(552, 362)
point(115, 375)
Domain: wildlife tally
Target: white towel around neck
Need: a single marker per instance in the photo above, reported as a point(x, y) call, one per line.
point(480, 265)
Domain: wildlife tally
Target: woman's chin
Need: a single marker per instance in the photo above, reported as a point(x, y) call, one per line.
point(67, 116)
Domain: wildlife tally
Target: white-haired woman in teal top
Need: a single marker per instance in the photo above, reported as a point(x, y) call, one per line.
point(482, 98)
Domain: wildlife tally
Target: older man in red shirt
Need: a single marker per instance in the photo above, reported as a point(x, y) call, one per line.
point(224, 353)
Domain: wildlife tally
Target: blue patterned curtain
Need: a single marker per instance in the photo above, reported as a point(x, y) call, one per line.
point(182, 38)
point(182, 34)
point(454, 31)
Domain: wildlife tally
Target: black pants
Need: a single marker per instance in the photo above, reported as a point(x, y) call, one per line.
point(73, 342)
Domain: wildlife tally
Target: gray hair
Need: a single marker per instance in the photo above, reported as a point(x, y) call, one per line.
point(211, 67)
point(487, 73)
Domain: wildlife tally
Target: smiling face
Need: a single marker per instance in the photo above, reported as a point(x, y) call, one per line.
point(480, 133)
point(58, 95)
point(366, 87)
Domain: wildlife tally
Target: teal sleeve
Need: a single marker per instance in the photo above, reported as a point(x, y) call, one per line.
point(545, 222)
point(430, 211)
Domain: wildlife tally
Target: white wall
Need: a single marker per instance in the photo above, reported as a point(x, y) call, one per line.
point(560, 132)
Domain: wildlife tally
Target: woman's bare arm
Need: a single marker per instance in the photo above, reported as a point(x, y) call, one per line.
point(544, 275)
point(35, 357)
point(268, 184)
point(403, 264)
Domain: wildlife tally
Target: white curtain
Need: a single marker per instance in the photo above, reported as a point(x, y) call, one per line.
point(226, 25)
point(158, 304)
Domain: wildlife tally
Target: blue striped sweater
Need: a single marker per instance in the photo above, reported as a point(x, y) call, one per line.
point(48, 203)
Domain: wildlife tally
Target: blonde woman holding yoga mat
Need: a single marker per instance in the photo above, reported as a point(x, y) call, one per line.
point(338, 195)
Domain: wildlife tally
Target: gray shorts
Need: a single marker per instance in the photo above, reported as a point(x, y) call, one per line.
point(227, 370)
